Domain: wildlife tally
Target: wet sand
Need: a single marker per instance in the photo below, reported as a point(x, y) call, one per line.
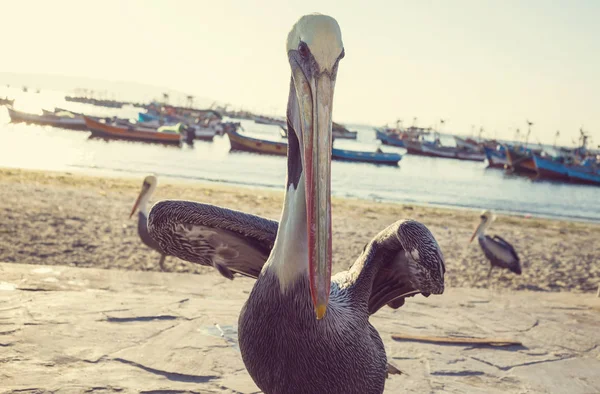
point(76, 220)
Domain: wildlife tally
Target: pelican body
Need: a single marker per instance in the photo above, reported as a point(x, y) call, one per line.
point(140, 205)
point(497, 250)
point(303, 330)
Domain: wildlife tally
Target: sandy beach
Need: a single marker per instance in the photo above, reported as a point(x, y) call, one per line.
point(53, 218)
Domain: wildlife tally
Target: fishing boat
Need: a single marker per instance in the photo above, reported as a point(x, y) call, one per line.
point(130, 132)
point(245, 143)
point(198, 132)
point(588, 172)
point(430, 149)
point(6, 101)
point(467, 143)
point(65, 122)
point(377, 157)
point(388, 138)
point(496, 157)
point(550, 167)
point(339, 131)
point(520, 159)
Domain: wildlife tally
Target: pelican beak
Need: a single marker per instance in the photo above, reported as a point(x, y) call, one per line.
point(478, 229)
point(315, 98)
point(139, 198)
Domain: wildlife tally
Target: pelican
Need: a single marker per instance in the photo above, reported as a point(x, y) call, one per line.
point(497, 250)
point(303, 330)
point(140, 204)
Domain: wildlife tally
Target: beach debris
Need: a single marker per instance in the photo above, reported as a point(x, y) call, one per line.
point(456, 340)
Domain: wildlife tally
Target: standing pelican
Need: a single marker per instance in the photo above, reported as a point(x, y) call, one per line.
point(141, 203)
point(302, 330)
point(498, 251)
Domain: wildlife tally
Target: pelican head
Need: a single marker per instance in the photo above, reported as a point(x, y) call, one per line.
point(148, 187)
point(487, 217)
point(314, 49)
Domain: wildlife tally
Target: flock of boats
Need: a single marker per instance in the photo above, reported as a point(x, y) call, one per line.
point(579, 164)
point(164, 124)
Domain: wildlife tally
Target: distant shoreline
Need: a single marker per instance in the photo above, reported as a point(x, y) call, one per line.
point(125, 174)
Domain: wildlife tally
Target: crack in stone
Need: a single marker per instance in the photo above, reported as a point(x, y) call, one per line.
point(139, 318)
point(458, 373)
point(104, 388)
point(509, 367)
point(174, 376)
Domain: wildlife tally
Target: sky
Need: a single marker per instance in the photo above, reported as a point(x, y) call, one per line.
point(476, 63)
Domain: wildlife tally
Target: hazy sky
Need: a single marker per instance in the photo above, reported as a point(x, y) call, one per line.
point(473, 62)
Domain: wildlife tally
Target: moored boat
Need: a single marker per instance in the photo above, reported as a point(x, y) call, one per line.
point(496, 157)
point(131, 133)
point(550, 168)
point(586, 173)
point(520, 159)
point(389, 138)
point(377, 157)
point(6, 101)
point(423, 148)
point(65, 122)
point(198, 132)
point(245, 143)
point(467, 143)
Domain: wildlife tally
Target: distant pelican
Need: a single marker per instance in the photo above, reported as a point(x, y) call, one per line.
point(497, 250)
point(141, 203)
point(303, 330)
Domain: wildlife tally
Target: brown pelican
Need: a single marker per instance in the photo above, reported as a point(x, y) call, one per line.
point(141, 204)
point(497, 250)
point(302, 330)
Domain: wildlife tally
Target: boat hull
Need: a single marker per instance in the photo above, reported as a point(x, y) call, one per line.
point(520, 162)
point(418, 148)
point(248, 144)
point(583, 175)
point(366, 157)
point(76, 123)
point(389, 140)
point(495, 158)
point(104, 130)
point(550, 169)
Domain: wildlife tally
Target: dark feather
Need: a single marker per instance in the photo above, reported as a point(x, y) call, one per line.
point(231, 241)
point(500, 253)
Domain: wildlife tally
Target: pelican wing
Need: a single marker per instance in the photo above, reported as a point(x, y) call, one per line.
point(401, 261)
point(231, 241)
point(508, 246)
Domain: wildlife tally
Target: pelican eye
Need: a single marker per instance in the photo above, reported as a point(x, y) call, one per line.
point(303, 49)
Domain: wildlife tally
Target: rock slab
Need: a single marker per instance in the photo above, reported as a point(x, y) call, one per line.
point(65, 329)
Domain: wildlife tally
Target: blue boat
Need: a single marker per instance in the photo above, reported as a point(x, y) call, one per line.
point(585, 173)
point(496, 157)
point(369, 157)
point(388, 139)
point(548, 167)
point(147, 117)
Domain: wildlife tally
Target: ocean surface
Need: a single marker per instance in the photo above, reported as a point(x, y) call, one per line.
point(417, 180)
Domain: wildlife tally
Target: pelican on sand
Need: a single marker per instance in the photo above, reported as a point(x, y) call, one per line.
point(496, 249)
point(141, 204)
point(302, 330)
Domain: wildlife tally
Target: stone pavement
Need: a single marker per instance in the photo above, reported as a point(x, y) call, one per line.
point(66, 330)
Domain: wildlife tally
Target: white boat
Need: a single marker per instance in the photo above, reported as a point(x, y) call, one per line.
point(48, 119)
